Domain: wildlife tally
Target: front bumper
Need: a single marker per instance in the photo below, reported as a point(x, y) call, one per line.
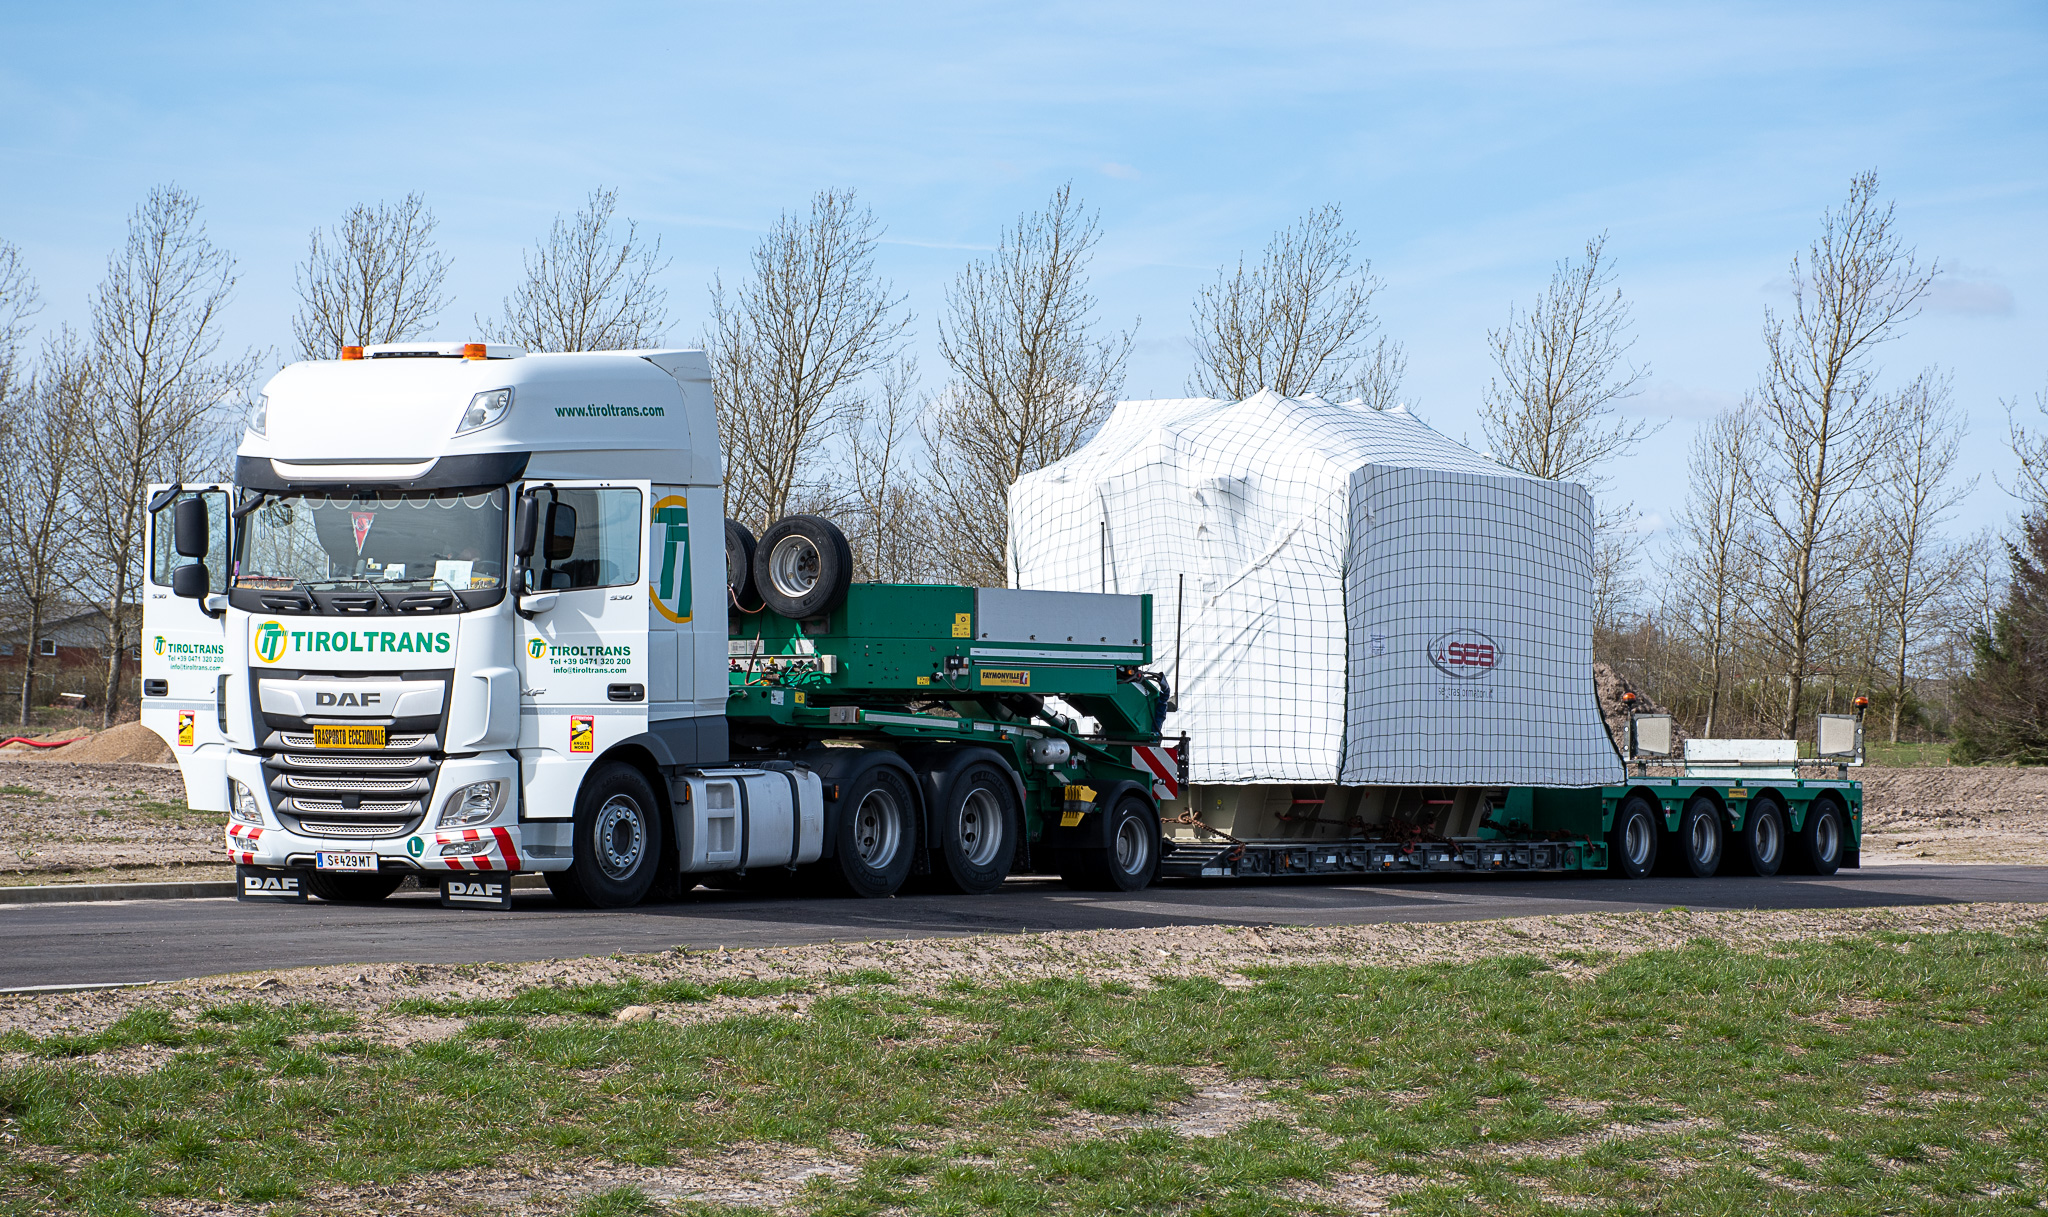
point(500, 846)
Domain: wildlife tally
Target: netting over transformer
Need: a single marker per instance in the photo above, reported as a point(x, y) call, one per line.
point(1366, 601)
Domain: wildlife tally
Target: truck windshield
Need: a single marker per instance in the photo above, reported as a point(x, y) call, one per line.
point(446, 539)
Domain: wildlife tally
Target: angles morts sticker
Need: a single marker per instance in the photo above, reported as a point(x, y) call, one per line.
point(1464, 654)
point(582, 732)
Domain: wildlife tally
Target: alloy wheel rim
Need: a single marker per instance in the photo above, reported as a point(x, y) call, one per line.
point(621, 836)
point(1131, 847)
point(1637, 840)
point(794, 566)
point(877, 830)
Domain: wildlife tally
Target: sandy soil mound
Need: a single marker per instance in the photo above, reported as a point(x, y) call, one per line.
point(1954, 815)
point(1610, 685)
point(127, 744)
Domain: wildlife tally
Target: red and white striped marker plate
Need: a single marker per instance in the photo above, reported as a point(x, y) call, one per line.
point(1164, 769)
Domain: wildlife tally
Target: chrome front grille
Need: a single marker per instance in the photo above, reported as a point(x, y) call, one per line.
point(331, 760)
point(354, 784)
point(354, 829)
point(305, 806)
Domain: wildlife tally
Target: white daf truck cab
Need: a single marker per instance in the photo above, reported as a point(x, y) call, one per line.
point(456, 597)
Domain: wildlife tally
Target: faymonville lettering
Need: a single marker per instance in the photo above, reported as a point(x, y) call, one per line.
point(388, 642)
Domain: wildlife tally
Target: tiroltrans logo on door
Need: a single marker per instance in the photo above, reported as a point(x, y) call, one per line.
point(1464, 654)
point(668, 532)
point(271, 641)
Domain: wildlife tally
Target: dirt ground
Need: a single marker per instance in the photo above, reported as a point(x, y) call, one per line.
point(1955, 815)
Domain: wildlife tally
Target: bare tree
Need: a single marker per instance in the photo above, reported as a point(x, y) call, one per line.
point(1379, 381)
point(588, 287)
point(375, 278)
point(153, 395)
point(890, 514)
point(1030, 382)
point(1562, 367)
point(791, 347)
point(1826, 425)
point(2031, 447)
point(41, 445)
point(1297, 323)
point(1707, 574)
point(1915, 492)
point(19, 301)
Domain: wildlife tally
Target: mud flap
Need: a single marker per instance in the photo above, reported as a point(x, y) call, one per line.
point(271, 884)
point(492, 891)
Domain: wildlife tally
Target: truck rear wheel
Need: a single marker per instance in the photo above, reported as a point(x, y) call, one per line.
point(876, 836)
point(353, 889)
point(618, 842)
point(1760, 846)
point(1132, 860)
point(1632, 844)
point(976, 820)
point(1822, 839)
point(1702, 837)
point(739, 566)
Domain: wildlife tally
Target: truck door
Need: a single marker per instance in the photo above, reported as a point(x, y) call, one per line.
point(583, 663)
point(184, 649)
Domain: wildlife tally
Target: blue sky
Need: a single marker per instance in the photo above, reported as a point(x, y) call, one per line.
point(1470, 145)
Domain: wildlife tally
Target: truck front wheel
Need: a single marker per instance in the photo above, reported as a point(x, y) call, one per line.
point(1132, 860)
point(617, 842)
point(977, 826)
point(877, 834)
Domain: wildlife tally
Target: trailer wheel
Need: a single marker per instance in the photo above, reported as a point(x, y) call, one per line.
point(803, 566)
point(739, 566)
point(1823, 838)
point(1760, 846)
point(877, 834)
point(977, 820)
point(617, 842)
point(353, 889)
point(1132, 860)
point(1702, 835)
point(1632, 844)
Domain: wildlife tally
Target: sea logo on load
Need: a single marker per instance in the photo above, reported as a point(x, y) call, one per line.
point(1465, 654)
point(271, 641)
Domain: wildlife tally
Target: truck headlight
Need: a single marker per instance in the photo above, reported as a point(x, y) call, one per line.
point(242, 804)
point(474, 804)
point(484, 409)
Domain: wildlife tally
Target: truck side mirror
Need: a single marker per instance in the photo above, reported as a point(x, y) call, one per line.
point(524, 526)
point(191, 581)
point(561, 532)
point(189, 528)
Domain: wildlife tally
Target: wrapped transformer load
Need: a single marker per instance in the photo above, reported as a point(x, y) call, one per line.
point(1362, 600)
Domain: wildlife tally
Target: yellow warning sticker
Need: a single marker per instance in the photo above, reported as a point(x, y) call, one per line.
point(1005, 678)
point(924, 680)
point(185, 728)
point(582, 733)
point(963, 625)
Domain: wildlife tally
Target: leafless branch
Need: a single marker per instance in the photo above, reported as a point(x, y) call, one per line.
point(375, 278)
point(588, 287)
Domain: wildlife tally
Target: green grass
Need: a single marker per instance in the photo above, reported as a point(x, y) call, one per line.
point(1886, 1074)
point(1906, 755)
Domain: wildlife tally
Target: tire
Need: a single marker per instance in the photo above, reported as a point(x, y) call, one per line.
point(1131, 862)
point(875, 840)
point(1632, 844)
point(977, 821)
point(739, 566)
point(353, 889)
point(1759, 849)
point(1823, 839)
point(803, 566)
point(1702, 837)
point(617, 841)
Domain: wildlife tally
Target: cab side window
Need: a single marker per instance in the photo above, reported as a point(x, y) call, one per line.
point(163, 552)
point(607, 548)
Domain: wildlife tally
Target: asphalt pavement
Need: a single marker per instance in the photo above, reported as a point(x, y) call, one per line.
point(78, 944)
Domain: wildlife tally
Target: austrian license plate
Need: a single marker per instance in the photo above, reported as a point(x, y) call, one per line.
point(348, 737)
point(325, 860)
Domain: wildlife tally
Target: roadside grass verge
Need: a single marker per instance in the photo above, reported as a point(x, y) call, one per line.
point(1882, 1073)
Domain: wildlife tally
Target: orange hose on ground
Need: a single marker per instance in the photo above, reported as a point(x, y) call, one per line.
point(39, 743)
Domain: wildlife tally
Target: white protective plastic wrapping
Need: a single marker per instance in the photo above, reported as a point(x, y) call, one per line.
point(1366, 601)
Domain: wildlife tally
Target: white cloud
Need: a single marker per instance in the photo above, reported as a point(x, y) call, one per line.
point(1117, 169)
